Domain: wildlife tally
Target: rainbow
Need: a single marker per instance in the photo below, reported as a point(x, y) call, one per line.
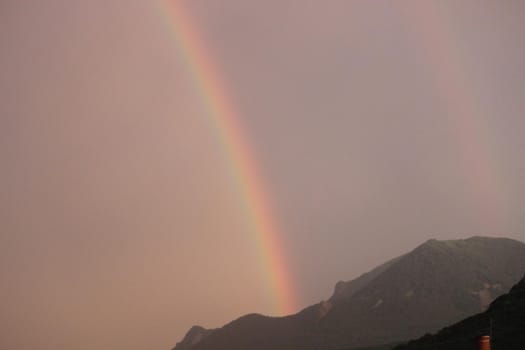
point(466, 120)
point(225, 119)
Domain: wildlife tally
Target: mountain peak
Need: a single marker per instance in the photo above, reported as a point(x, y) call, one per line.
point(445, 280)
point(468, 244)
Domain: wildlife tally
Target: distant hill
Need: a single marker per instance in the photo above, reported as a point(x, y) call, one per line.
point(195, 335)
point(505, 319)
point(436, 284)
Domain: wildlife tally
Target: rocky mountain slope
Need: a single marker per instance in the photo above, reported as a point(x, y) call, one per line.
point(438, 283)
point(504, 320)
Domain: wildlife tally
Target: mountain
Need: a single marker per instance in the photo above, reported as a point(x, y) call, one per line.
point(257, 332)
point(436, 284)
point(504, 319)
point(195, 335)
point(344, 290)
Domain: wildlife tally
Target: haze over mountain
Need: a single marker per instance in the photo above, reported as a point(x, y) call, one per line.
point(437, 283)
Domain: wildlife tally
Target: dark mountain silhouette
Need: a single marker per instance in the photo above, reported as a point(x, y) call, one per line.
point(436, 284)
point(195, 335)
point(504, 320)
point(254, 331)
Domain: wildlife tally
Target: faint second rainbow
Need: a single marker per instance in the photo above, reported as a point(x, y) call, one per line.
point(222, 114)
point(467, 122)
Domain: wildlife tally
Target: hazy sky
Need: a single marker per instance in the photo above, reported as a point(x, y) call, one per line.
point(376, 125)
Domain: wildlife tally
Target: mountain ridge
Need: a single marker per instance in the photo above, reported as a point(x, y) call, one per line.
point(444, 280)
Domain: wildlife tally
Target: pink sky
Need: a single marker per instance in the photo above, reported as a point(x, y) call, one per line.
point(121, 223)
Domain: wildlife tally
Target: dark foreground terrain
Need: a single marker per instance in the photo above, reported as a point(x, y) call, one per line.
point(505, 320)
